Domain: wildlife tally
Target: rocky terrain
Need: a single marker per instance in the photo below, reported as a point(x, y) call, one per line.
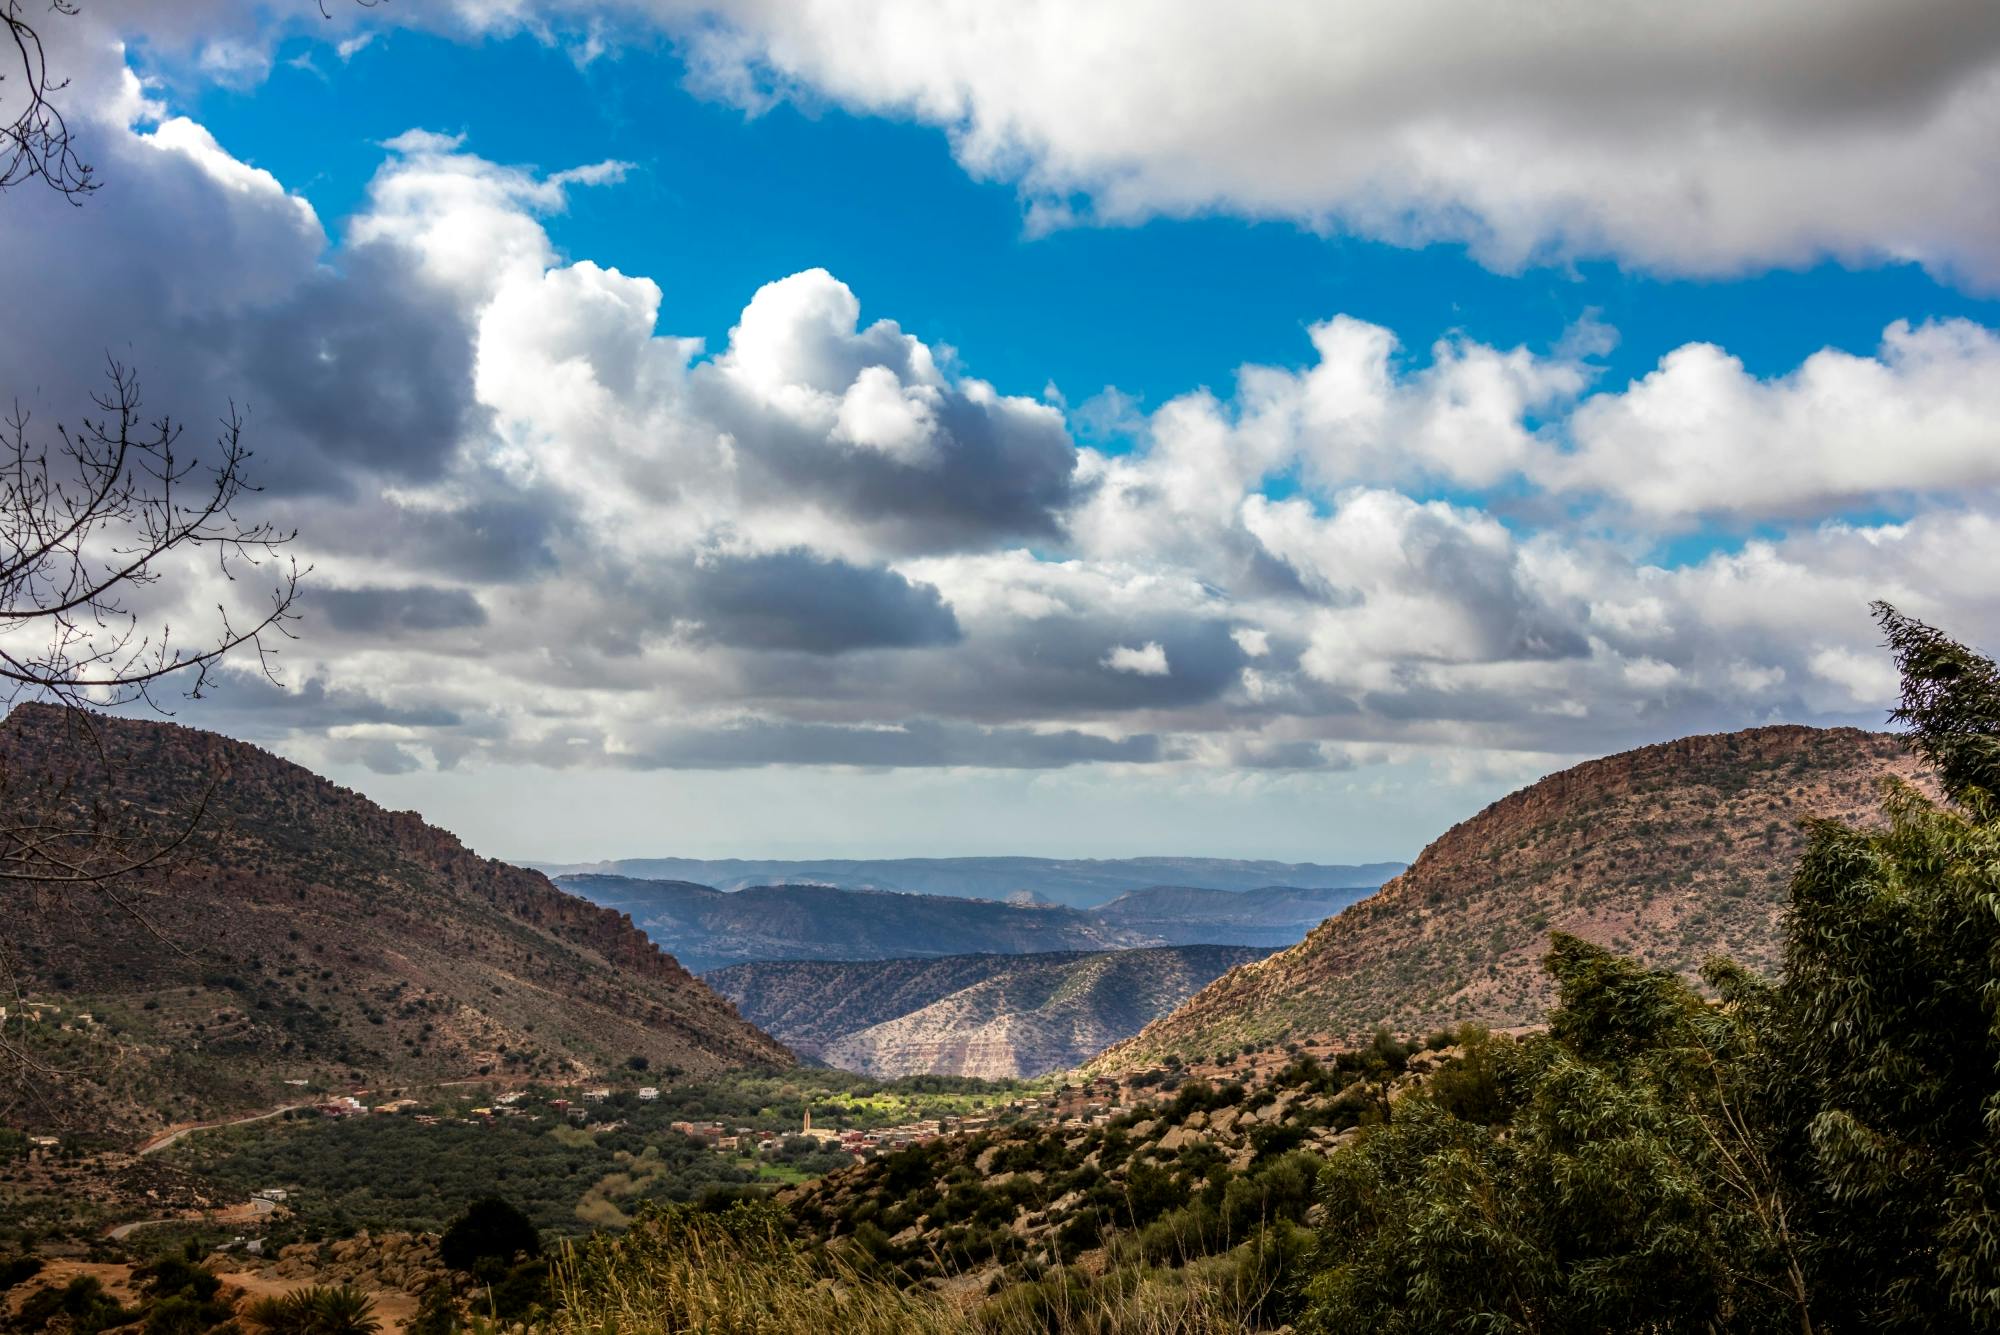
point(1669, 854)
point(305, 934)
point(1075, 882)
point(1164, 1164)
point(992, 1016)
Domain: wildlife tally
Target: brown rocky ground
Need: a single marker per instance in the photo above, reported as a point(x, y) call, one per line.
point(1671, 854)
point(306, 934)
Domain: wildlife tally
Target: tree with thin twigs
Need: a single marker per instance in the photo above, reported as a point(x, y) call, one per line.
point(94, 520)
point(36, 142)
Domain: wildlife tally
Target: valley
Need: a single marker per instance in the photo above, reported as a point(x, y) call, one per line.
point(992, 1016)
point(967, 1130)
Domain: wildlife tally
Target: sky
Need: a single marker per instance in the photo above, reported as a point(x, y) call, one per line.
point(835, 428)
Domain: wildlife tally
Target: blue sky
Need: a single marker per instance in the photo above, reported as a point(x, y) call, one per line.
point(1598, 382)
point(721, 200)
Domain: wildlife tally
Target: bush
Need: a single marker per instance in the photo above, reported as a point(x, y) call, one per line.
point(676, 1270)
point(489, 1235)
point(338, 1309)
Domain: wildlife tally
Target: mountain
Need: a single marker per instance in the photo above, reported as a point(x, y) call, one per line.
point(1076, 882)
point(305, 934)
point(710, 928)
point(1670, 853)
point(994, 1016)
point(1274, 915)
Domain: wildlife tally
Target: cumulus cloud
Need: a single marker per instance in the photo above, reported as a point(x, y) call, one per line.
point(793, 600)
point(1703, 138)
point(1696, 138)
point(546, 532)
point(1147, 660)
point(1701, 435)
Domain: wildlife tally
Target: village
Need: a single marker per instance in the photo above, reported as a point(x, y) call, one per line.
point(605, 1108)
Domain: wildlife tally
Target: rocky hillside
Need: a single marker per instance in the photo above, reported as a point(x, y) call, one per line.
point(1671, 853)
point(305, 933)
point(710, 929)
point(993, 1016)
point(1163, 1167)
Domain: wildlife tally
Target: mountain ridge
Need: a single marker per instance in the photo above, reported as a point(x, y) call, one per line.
point(712, 929)
point(1074, 882)
point(1667, 853)
point(305, 932)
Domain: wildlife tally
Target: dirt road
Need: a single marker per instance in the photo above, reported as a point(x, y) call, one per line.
point(249, 1212)
point(168, 1137)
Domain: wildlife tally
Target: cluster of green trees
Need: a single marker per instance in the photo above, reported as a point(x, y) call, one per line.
point(394, 1173)
point(1819, 1152)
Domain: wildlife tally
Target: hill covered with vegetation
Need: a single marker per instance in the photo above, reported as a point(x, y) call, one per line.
point(305, 934)
point(1668, 854)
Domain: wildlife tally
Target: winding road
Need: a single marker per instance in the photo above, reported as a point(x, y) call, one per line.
point(166, 1138)
point(256, 1208)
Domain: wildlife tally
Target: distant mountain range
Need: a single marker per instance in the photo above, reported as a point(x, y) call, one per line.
point(1274, 915)
point(706, 928)
point(1670, 854)
point(994, 1016)
point(1076, 882)
point(306, 934)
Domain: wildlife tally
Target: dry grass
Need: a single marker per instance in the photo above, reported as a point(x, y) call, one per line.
point(733, 1274)
point(740, 1274)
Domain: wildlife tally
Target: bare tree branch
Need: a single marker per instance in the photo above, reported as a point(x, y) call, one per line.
point(36, 142)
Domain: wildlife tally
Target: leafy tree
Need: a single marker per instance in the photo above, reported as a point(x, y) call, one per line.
point(1821, 1153)
point(490, 1231)
point(1890, 1015)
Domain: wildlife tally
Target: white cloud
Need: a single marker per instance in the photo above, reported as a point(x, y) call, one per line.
point(1709, 137)
point(1146, 660)
point(1698, 138)
point(551, 534)
point(1702, 435)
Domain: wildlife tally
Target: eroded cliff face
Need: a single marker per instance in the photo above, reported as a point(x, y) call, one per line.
point(307, 932)
point(993, 1016)
point(1671, 854)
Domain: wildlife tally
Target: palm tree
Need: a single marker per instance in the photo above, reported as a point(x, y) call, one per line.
point(319, 1309)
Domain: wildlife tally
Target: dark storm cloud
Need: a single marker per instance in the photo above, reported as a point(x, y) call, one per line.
point(793, 600)
point(1051, 667)
point(920, 744)
point(1058, 664)
point(219, 298)
point(500, 538)
point(1297, 755)
point(998, 472)
point(392, 611)
point(247, 704)
point(370, 367)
